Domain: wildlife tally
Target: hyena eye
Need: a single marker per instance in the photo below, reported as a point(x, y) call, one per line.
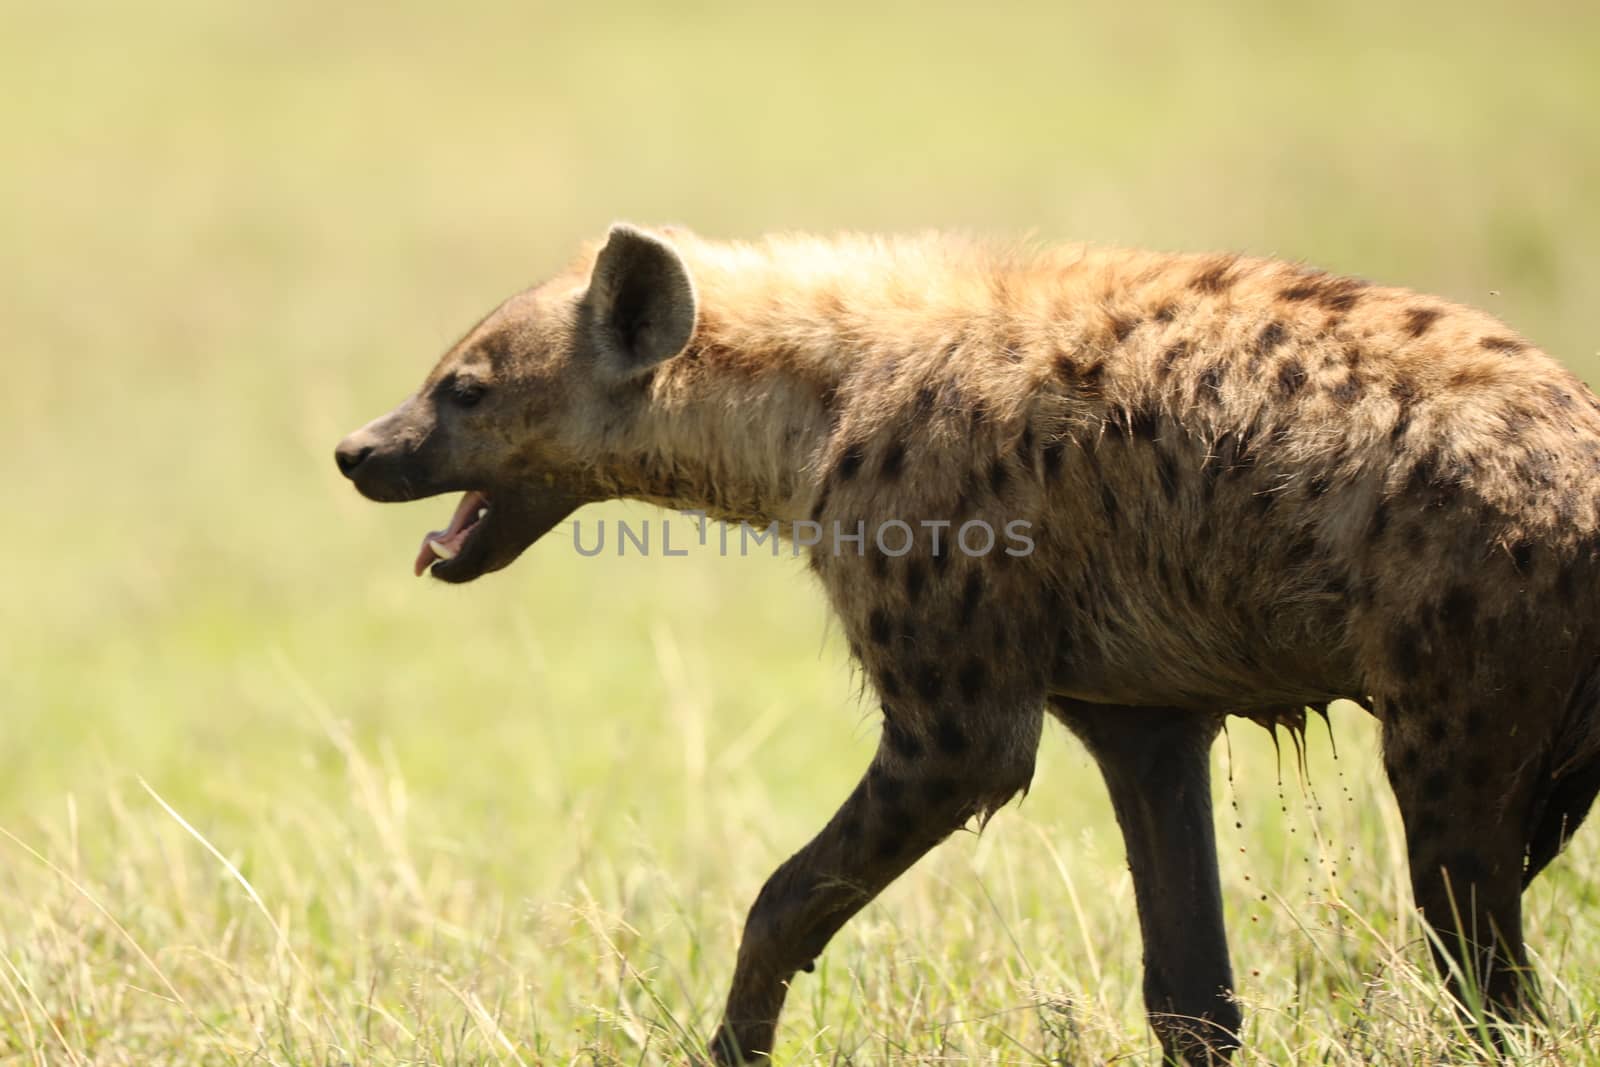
point(465, 394)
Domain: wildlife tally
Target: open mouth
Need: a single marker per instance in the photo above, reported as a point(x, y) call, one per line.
point(464, 532)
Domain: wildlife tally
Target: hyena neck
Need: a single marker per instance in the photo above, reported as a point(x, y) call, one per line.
point(738, 425)
point(735, 433)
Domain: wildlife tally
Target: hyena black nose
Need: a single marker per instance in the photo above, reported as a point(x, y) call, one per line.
point(349, 456)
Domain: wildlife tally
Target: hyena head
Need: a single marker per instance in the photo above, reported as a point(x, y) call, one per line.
point(515, 416)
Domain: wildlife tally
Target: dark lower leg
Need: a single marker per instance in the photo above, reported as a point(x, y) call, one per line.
point(1465, 815)
point(1156, 764)
point(896, 814)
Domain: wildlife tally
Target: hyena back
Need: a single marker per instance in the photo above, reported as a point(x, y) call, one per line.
point(1248, 487)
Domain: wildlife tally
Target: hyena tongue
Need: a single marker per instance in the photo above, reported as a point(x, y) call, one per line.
point(446, 543)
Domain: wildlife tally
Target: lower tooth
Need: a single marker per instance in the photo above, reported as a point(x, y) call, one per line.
point(442, 550)
point(482, 512)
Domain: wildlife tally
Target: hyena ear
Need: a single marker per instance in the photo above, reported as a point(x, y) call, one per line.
point(641, 302)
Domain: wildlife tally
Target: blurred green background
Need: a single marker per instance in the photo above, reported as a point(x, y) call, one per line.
point(234, 231)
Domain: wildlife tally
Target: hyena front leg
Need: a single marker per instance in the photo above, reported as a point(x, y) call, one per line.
point(1157, 766)
point(937, 766)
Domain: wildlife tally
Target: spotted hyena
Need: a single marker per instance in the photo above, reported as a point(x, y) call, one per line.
point(1244, 487)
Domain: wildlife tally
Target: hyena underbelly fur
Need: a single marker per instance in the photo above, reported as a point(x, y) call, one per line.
point(1242, 487)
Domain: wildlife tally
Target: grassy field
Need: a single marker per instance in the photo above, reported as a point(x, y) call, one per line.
point(270, 800)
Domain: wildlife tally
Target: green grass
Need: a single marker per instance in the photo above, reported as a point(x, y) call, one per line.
point(269, 800)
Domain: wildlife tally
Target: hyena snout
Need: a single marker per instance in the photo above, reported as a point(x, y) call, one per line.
point(385, 458)
point(351, 453)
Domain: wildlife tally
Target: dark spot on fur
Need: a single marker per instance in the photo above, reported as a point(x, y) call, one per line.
point(1404, 652)
point(1408, 759)
point(929, 681)
point(1272, 335)
point(1522, 556)
point(1335, 294)
point(1566, 585)
point(1052, 456)
point(999, 474)
point(1167, 473)
point(950, 737)
point(1143, 422)
point(1319, 484)
point(1233, 452)
point(916, 579)
point(1108, 504)
point(849, 463)
point(1416, 537)
point(1559, 397)
point(1420, 320)
point(963, 504)
point(1165, 313)
point(1175, 352)
point(902, 742)
point(970, 679)
point(1215, 276)
point(828, 397)
point(1438, 730)
point(885, 786)
point(1348, 391)
point(1291, 377)
point(889, 684)
point(897, 831)
point(1000, 638)
point(893, 461)
point(1458, 611)
point(1121, 327)
point(850, 824)
point(1509, 345)
point(821, 504)
point(971, 591)
point(878, 626)
point(1209, 385)
point(1091, 377)
point(1404, 392)
point(1436, 479)
point(1011, 346)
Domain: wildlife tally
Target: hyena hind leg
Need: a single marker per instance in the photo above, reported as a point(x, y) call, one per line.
point(1463, 784)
